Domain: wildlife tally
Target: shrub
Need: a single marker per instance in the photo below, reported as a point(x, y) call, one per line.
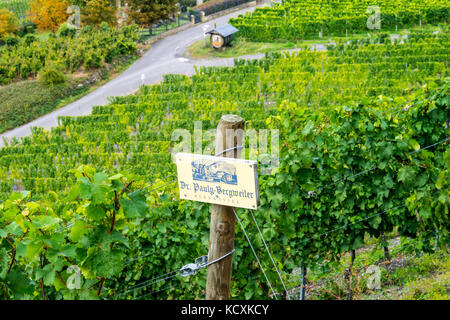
point(66, 30)
point(11, 40)
point(51, 75)
point(86, 29)
point(29, 39)
point(27, 27)
point(104, 26)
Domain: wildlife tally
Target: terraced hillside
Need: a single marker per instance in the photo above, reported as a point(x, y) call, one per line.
point(371, 114)
point(299, 19)
point(134, 132)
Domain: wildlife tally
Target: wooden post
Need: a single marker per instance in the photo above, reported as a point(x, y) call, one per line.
point(303, 282)
point(230, 133)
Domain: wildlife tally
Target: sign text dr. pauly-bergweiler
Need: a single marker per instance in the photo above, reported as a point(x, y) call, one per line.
point(218, 180)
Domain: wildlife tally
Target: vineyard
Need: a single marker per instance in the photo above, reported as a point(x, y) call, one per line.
point(19, 7)
point(90, 49)
point(363, 152)
point(58, 66)
point(299, 19)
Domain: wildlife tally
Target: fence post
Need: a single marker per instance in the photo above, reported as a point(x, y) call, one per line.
point(303, 283)
point(221, 237)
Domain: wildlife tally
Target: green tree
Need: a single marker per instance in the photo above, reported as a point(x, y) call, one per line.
point(147, 12)
point(98, 11)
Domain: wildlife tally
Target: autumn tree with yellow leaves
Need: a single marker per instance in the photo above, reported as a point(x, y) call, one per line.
point(98, 11)
point(48, 14)
point(8, 22)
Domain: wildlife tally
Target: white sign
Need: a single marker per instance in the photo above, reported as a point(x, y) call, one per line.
point(205, 28)
point(218, 180)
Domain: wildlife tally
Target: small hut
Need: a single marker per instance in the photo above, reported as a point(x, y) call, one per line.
point(222, 36)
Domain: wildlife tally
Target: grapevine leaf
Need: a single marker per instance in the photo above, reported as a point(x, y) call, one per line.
point(94, 212)
point(34, 248)
point(99, 193)
point(406, 174)
point(4, 263)
point(106, 263)
point(78, 230)
point(308, 128)
point(19, 282)
point(47, 273)
point(136, 206)
point(85, 188)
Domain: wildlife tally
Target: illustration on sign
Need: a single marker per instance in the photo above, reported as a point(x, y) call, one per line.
point(217, 171)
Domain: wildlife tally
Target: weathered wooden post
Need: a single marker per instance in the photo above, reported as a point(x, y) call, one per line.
point(230, 133)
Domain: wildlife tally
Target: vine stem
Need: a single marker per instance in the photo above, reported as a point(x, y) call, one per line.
point(69, 261)
point(348, 276)
point(100, 285)
point(4, 291)
point(85, 175)
point(13, 258)
point(387, 255)
point(60, 278)
point(44, 296)
point(126, 187)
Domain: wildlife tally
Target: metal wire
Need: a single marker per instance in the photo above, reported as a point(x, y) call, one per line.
point(254, 252)
point(163, 179)
point(401, 247)
point(149, 282)
point(218, 259)
point(371, 169)
point(229, 149)
point(138, 258)
point(170, 275)
point(156, 291)
point(268, 251)
point(163, 185)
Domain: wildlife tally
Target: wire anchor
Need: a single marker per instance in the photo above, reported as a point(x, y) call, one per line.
point(200, 263)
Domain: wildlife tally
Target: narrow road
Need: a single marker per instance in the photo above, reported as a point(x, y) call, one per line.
point(165, 56)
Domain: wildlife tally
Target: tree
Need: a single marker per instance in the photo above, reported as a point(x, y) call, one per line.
point(98, 11)
point(48, 14)
point(8, 22)
point(147, 12)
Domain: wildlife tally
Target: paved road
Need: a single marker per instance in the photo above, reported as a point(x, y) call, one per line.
point(165, 56)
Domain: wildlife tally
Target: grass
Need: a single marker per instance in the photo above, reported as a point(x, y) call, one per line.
point(406, 276)
point(424, 278)
point(240, 47)
point(25, 101)
point(202, 49)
